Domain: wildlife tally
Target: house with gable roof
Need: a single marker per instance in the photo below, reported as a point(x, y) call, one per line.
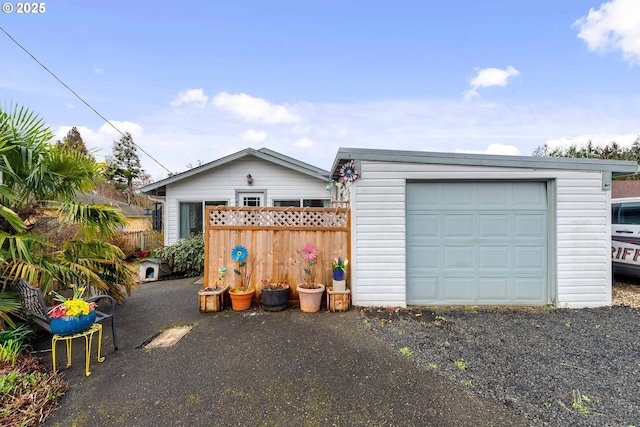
point(248, 177)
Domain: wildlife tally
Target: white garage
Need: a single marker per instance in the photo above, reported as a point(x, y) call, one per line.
point(461, 229)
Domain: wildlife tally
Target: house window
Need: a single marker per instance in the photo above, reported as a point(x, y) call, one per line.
point(286, 203)
point(307, 203)
point(316, 203)
point(190, 219)
point(250, 199)
point(191, 216)
point(216, 203)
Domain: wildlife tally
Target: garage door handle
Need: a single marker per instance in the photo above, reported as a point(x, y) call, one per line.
point(624, 231)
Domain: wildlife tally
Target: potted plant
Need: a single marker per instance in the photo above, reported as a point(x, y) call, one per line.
point(275, 295)
point(212, 298)
point(309, 291)
point(338, 266)
point(73, 315)
point(242, 294)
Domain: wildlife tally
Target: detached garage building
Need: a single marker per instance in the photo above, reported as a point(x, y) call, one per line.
point(463, 229)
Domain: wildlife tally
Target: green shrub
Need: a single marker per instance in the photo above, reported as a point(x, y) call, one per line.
point(19, 333)
point(12, 341)
point(185, 257)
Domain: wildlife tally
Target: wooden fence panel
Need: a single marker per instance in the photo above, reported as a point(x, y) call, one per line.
point(145, 239)
point(274, 238)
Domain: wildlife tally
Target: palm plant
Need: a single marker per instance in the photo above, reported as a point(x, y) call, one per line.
point(38, 178)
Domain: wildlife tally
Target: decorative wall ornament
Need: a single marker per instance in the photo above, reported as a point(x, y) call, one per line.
point(348, 172)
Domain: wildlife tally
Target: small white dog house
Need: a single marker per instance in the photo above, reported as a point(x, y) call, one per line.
point(152, 269)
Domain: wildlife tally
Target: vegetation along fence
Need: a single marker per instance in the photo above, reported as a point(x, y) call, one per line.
point(274, 237)
point(145, 240)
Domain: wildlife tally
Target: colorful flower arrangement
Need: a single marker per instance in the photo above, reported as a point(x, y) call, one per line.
point(244, 270)
point(339, 264)
point(310, 254)
point(75, 306)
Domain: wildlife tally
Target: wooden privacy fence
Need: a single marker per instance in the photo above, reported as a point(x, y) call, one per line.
point(274, 237)
point(145, 239)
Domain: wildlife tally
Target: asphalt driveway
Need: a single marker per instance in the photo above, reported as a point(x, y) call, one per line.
point(256, 369)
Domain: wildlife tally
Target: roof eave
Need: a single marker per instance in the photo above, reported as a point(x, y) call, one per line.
point(159, 188)
point(617, 168)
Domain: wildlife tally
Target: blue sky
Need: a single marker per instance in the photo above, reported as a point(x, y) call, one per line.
point(194, 80)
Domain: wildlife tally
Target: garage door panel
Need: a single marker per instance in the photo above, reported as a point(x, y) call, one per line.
point(424, 257)
point(529, 258)
point(493, 258)
point(424, 197)
point(530, 195)
point(458, 258)
point(493, 226)
point(494, 195)
point(456, 226)
point(457, 195)
point(458, 289)
point(529, 289)
point(477, 243)
point(424, 225)
point(493, 290)
point(530, 226)
point(426, 290)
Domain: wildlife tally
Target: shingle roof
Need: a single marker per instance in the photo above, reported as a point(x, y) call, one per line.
point(620, 189)
point(159, 188)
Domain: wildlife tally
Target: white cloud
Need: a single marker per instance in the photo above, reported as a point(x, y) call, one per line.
point(305, 143)
point(615, 26)
point(190, 96)
point(254, 109)
point(251, 135)
point(176, 137)
point(499, 149)
point(133, 128)
point(487, 77)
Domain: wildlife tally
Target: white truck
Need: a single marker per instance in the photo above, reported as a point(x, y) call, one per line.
point(625, 236)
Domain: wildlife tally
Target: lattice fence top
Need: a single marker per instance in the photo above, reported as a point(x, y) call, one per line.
point(268, 217)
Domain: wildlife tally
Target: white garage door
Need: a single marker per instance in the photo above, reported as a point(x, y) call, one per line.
point(477, 243)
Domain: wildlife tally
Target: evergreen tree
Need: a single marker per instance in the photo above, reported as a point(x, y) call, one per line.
point(123, 168)
point(73, 141)
point(611, 151)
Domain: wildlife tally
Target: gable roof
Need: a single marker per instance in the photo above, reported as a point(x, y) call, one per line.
point(127, 210)
point(613, 168)
point(159, 188)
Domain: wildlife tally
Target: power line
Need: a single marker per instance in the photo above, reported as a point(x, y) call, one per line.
point(83, 101)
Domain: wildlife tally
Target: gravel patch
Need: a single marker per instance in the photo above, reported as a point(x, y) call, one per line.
point(558, 367)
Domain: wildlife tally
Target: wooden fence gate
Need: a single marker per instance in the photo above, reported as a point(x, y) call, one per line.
point(274, 237)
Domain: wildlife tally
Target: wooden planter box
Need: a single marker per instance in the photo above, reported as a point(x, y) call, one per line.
point(338, 300)
point(212, 301)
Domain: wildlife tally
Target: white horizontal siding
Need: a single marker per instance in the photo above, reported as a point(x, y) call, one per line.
point(223, 182)
point(582, 241)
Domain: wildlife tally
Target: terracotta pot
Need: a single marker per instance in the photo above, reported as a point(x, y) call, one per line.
point(241, 301)
point(310, 299)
